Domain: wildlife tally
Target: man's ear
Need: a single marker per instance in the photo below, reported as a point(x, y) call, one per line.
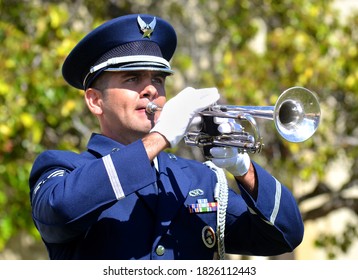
point(94, 101)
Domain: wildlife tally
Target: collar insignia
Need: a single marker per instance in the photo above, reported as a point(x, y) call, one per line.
point(146, 28)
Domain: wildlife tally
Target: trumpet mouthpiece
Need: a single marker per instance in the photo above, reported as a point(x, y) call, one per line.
point(152, 108)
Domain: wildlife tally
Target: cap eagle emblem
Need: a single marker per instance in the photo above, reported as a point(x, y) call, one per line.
point(146, 28)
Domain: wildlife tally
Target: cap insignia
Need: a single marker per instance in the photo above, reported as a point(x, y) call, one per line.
point(146, 28)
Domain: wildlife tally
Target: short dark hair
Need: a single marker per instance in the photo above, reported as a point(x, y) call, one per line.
point(101, 82)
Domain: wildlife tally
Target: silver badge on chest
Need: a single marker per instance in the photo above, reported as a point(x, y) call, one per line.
point(208, 236)
point(196, 192)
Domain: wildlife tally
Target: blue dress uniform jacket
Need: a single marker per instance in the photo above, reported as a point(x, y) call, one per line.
point(105, 204)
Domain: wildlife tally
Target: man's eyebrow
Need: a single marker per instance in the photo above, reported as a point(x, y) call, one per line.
point(130, 73)
point(160, 74)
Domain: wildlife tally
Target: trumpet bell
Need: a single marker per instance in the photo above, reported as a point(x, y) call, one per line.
point(297, 114)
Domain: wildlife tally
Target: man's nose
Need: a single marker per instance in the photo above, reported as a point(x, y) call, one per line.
point(149, 91)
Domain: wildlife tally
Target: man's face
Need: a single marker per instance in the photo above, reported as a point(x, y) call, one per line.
point(123, 100)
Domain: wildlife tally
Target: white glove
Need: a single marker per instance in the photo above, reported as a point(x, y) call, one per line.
point(179, 111)
point(229, 158)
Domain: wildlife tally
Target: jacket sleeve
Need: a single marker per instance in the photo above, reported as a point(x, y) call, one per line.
point(69, 191)
point(270, 225)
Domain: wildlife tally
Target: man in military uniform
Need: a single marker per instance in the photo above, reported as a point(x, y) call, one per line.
point(124, 197)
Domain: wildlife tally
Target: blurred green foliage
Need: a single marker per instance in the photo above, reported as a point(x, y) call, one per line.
point(302, 43)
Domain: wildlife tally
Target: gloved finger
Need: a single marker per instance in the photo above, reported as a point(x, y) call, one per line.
point(223, 152)
point(229, 127)
point(220, 120)
point(196, 123)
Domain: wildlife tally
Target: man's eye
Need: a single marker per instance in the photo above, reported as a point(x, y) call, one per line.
point(132, 79)
point(158, 80)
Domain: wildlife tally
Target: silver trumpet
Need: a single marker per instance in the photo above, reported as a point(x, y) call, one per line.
point(296, 115)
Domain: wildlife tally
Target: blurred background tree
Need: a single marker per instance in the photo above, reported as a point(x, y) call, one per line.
point(252, 50)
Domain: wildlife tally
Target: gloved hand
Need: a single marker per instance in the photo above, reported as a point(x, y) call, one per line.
point(228, 157)
point(179, 111)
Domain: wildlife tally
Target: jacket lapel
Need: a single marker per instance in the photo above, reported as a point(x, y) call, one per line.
point(149, 195)
point(174, 186)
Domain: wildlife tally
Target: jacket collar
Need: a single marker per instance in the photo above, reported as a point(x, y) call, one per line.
point(103, 145)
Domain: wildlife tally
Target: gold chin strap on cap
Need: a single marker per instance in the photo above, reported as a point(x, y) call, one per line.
point(221, 195)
